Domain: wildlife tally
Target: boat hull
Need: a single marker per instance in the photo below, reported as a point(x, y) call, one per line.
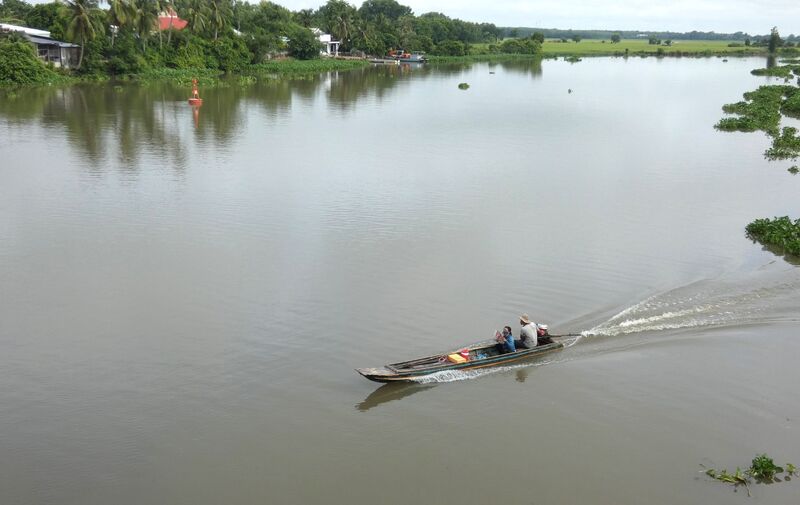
point(393, 373)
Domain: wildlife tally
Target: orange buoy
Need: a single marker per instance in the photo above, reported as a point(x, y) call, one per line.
point(195, 99)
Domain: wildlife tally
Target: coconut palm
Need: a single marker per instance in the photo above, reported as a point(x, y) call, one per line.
point(146, 19)
point(340, 19)
point(196, 15)
point(121, 13)
point(83, 27)
point(220, 13)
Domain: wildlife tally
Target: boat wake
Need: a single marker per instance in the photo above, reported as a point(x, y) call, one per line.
point(709, 303)
point(761, 297)
point(461, 375)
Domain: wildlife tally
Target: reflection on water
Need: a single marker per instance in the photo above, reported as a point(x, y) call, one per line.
point(124, 119)
point(391, 392)
point(184, 299)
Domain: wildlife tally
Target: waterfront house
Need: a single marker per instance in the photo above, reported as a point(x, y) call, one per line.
point(60, 54)
point(329, 47)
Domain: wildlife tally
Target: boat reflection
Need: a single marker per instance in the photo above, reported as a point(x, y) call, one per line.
point(390, 392)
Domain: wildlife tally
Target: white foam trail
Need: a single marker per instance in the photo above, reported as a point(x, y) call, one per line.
point(760, 297)
point(461, 375)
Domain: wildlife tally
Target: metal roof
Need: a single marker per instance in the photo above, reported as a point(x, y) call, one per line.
point(50, 42)
point(24, 29)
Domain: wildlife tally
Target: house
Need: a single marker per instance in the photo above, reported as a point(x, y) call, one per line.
point(60, 54)
point(329, 47)
point(169, 20)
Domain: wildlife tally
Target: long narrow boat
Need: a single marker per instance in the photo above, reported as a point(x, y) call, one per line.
point(480, 355)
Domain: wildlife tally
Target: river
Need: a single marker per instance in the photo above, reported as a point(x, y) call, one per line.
point(185, 295)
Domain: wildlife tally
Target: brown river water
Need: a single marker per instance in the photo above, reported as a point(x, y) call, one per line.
point(183, 299)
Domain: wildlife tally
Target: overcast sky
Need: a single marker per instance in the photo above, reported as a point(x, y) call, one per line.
point(752, 16)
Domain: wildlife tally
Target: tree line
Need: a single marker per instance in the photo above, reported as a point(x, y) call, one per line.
point(122, 36)
point(555, 33)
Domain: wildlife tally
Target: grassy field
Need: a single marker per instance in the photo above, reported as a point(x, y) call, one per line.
point(638, 46)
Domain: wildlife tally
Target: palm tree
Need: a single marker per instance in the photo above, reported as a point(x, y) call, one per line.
point(220, 13)
point(83, 26)
point(121, 13)
point(146, 19)
point(196, 15)
point(340, 18)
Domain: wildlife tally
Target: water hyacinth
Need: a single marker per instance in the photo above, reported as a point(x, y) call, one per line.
point(780, 231)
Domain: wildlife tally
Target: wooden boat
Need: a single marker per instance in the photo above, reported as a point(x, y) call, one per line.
point(480, 355)
point(406, 57)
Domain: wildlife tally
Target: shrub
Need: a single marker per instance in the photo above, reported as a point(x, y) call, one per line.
point(520, 46)
point(451, 48)
point(304, 45)
point(19, 65)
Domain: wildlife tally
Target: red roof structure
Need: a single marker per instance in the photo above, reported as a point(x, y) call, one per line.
point(170, 20)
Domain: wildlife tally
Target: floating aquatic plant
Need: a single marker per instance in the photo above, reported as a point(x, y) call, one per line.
point(463, 85)
point(780, 231)
point(762, 469)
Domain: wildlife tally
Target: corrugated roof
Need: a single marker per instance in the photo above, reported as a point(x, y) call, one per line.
point(50, 42)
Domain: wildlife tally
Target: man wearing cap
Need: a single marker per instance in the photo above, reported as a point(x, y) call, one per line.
point(529, 334)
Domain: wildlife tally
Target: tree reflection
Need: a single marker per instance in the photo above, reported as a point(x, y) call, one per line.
point(127, 121)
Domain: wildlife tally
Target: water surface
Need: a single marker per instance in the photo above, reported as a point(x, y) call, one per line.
point(184, 296)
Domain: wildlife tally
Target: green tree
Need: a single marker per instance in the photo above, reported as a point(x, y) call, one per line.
point(83, 27)
point(19, 64)
point(219, 16)
point(145, 20)
point(615, 38)
point(304, 17)
point(370, 10)
point(451, 48)
point(339, 18)
point(121, 14)
point(774, 39)
point(14, 11)
point(43, 16)
point(304, 45)
point(195, 12)
point(576, 38)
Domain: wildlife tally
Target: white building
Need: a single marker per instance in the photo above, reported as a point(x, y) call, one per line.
point(60, 54)
point(329, 47)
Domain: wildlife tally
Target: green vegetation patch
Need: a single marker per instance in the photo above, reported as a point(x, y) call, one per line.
point(20, 66)
point(305, 67)
point(492, 57)
point(780, 231)
point(760, 110)
point(784, 146)
point(784, 71)
point(762, 469)
point(643, 47)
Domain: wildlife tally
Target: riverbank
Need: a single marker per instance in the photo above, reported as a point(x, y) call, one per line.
point(640, 47)
point(288, 68)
